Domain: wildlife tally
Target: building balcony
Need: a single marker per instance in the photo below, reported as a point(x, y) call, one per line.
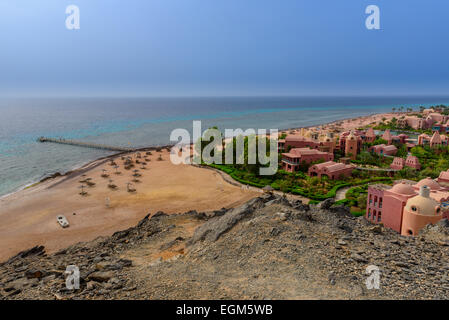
point(291, 162)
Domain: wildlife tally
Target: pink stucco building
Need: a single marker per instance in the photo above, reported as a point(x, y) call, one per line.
point(383, 149)
point(407, 206)
point(413, 162)
point(398, 163)
point(292, 160)
point(387, 136)
point(298, 141)
point(431, 120)
point(350, 143)
point(434, 141)
point(410, 161)
point(331, 169)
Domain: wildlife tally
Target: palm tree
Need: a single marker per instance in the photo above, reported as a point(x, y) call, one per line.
point(393, 109)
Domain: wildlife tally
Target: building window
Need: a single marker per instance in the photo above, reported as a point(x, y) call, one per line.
point(369, 213)
point(374, 215)
point(379, 216)
point(380, 202)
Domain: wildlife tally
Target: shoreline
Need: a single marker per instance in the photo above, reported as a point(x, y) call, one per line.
point(28, 217)
point(86, 166)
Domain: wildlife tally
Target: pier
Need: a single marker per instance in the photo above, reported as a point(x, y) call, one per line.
point(85, 144)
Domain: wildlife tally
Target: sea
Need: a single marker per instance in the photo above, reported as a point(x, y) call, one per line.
point(143, 122)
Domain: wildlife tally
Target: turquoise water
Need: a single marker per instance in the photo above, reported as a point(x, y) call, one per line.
point(148, 122)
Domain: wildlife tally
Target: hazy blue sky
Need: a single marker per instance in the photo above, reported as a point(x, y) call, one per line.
point(223, 47)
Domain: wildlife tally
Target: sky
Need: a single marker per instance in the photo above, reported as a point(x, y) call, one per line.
point(223, 48)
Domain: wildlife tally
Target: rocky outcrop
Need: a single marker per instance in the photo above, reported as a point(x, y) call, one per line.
point(269, 248)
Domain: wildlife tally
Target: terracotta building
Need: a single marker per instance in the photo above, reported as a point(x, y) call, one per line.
point(434, 141)
point(370, 136)
point(351, 144)
point(296, 141)
point(443, 179)
point(331, 169)
point(407, 206)
point(382, 149)
point(413, 162)
point(326, 144)
point(400, 163)
point(293, 159)
point(387, 136)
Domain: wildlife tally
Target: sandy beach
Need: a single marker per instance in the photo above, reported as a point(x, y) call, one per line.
point(28, 217)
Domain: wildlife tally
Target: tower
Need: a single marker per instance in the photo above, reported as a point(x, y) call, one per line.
point(351, 146)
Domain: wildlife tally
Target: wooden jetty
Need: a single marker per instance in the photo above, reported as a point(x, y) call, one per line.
point(85, 144)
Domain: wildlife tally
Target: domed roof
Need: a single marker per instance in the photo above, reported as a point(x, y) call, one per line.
point(432, 184)
point(403, 188)
point(351, 135)
point(422, 205)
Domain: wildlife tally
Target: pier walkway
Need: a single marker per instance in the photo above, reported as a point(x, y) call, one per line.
point(85, 144)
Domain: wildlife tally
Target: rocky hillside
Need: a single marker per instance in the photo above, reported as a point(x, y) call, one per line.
point(268, 248)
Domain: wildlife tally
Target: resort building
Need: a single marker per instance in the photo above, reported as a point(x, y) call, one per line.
point(407, 206)
point(413, 122)
point(434, 141)
point(387, 136)
point(413, 162)
point(370, 136)
point(384, 150)
point(433, 120)
point(296, 141)
point(400, 163)
point(292, 160)
point(351, 143)
point(443, 179)
point(400, 139)
point(441, 127)
point(311, 140)
point(331, 169)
